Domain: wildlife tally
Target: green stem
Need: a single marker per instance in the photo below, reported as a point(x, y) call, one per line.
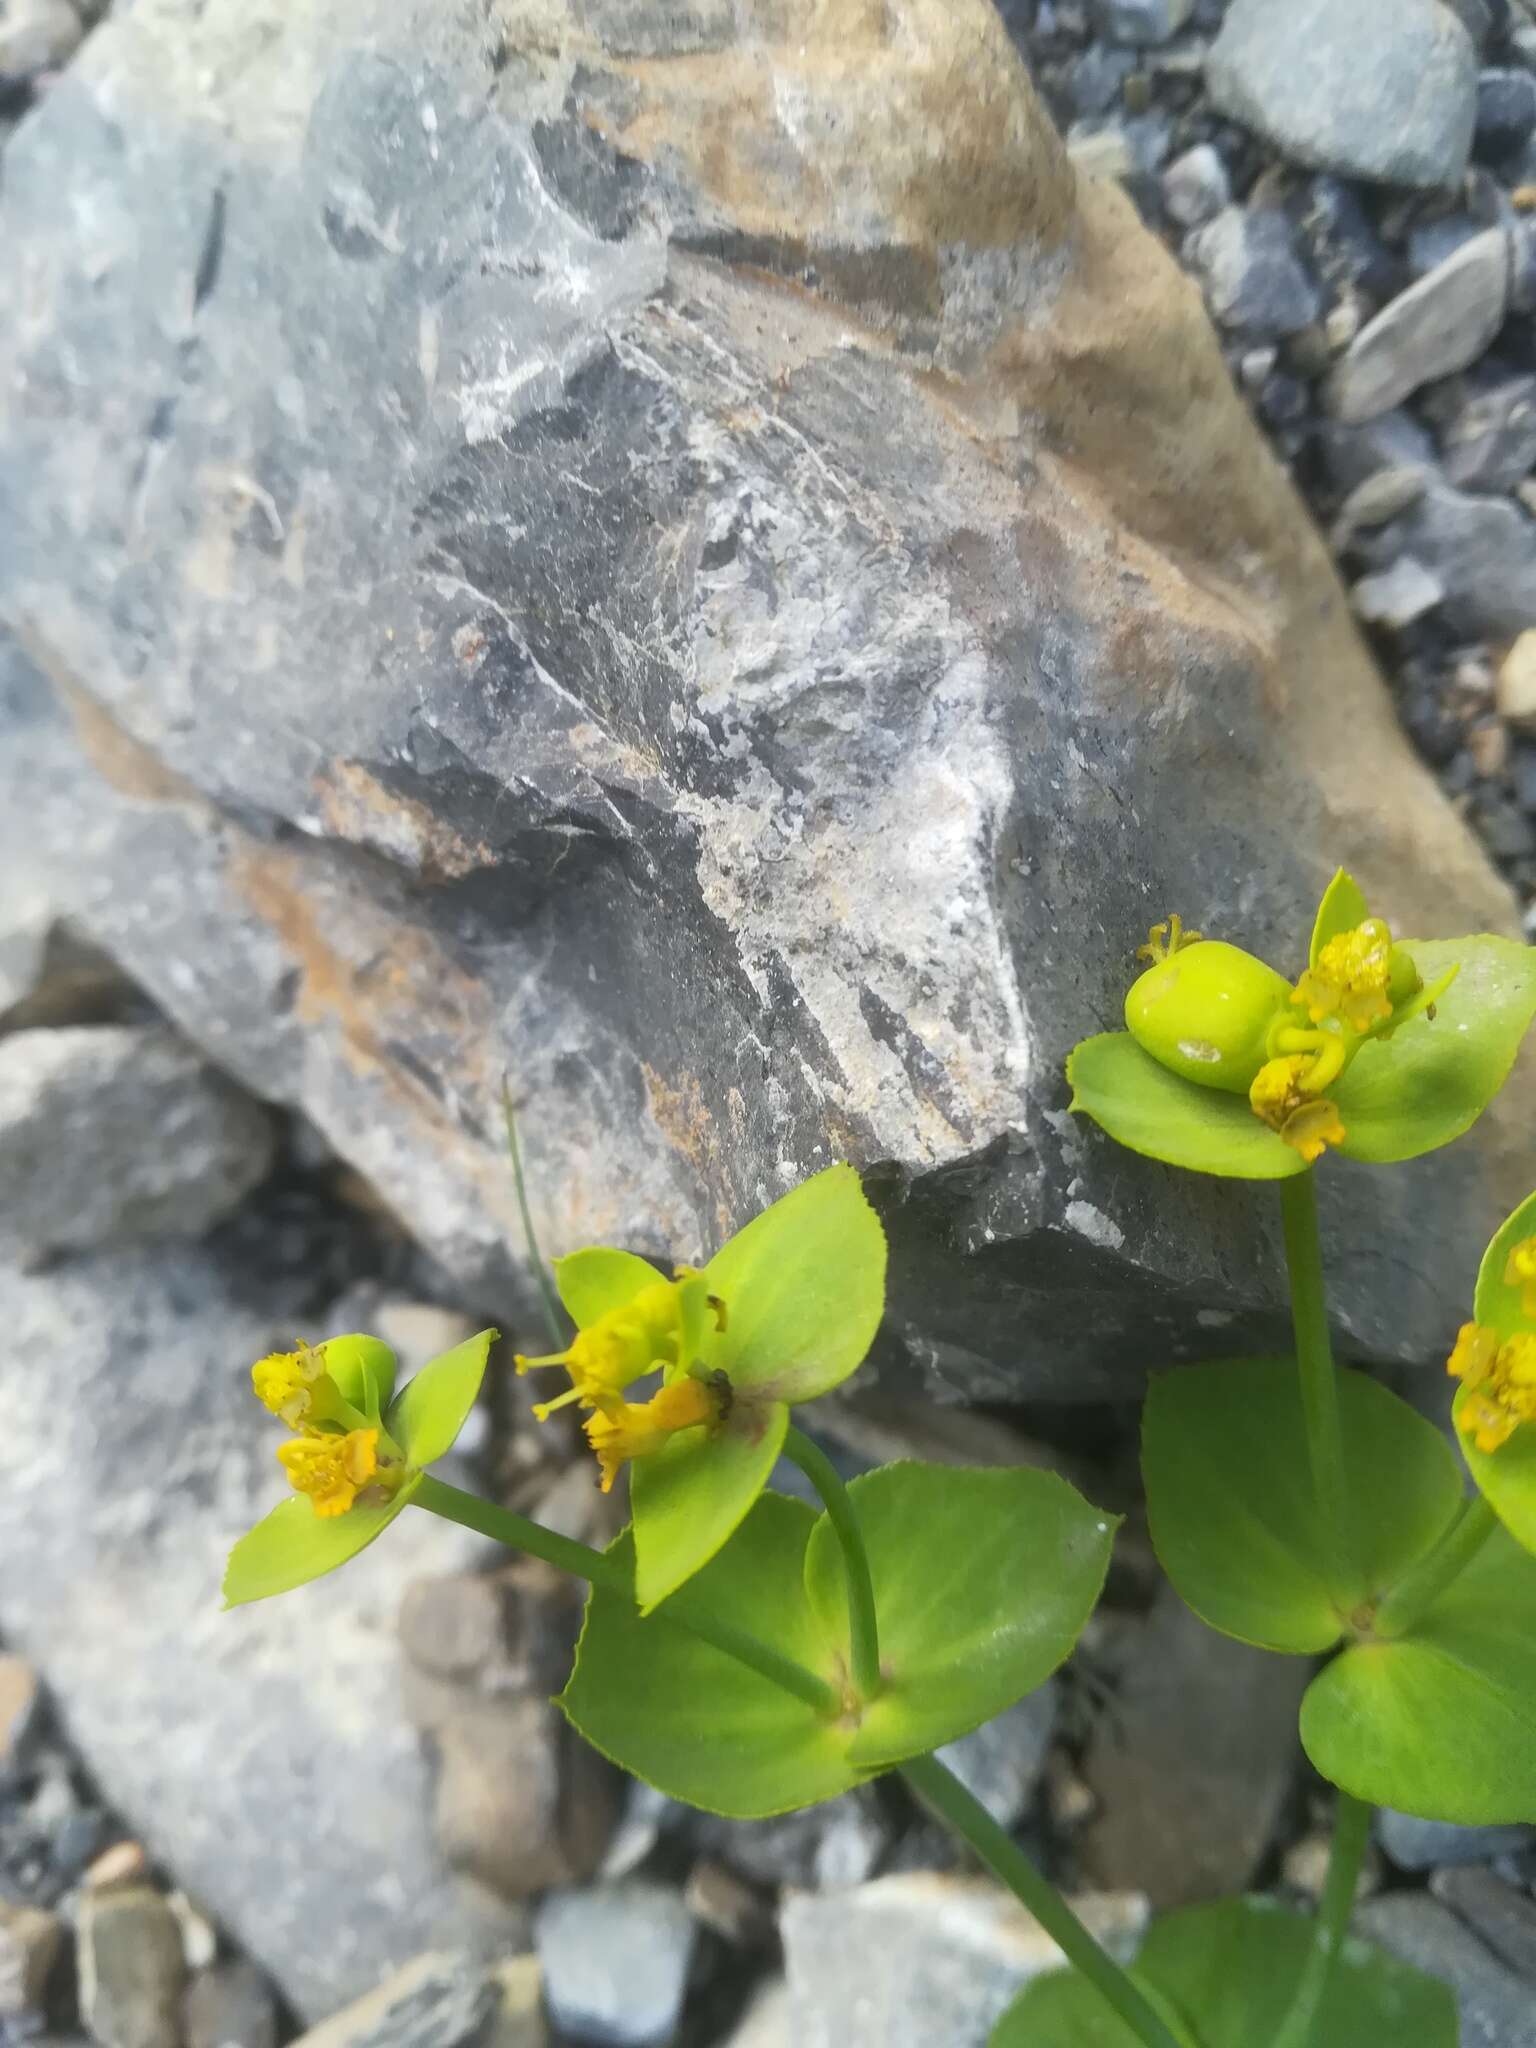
point(863, 1627)
point(943, 1792)
point(1415, 1593)
point(1351, 1832)
point(1319, 1387)
point(519, 1533)
point(547, 1295)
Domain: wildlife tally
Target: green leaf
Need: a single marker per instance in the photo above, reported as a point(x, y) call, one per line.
point(691, 1720)
point(1229, 1972)
point(1497, 1301)
point(1433, 1078)
point(431, 1409)
point(691, 1495)
point(293, 1545)
point(804, 1289)
point(1440, 1722)
point(1152, 1111)
point(1342, 909)
point(593, 1282)
point(983, 1582)
point(1229, 1497)
point(363, 1368)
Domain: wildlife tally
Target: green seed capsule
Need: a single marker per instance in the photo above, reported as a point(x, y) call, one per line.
point(1205, 1013)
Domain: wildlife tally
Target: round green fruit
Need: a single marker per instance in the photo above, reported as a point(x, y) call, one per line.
point(1205, 1013)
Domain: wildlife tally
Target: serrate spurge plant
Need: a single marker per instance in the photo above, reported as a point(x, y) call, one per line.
point(745, 1653)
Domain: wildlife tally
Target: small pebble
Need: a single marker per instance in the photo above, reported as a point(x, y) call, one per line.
point(123, 1863)
point(1516, 687)
point(616, 1959)
point(1397, 596)
point(37, 36)
point(1436, 327)
point(1140, 21)
point(1196, 186)
point(1506, 111)
point(30, 1940)
point(1488, 744)
point(132, 1970)
point(20, 1708)
point(1254, 282)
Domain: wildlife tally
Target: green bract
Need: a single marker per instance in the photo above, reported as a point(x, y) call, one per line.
point(1439, 1721)
point(1230, 1503)
point(293, 1544)
point(983, 1582)
point(1173, 1086)
point(1225, 1976)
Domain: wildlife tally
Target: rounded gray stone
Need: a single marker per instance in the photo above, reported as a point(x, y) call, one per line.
point(1378, 89)
point(616, 1960)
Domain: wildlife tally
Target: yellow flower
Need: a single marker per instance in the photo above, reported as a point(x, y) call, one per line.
point(1281, 1095)
point(296, 1387)
point(633, 1429)
point(333, 1469)
point(1501, 1383)
point(1352, 978)
point(1520, 1271)
point(619, 1347)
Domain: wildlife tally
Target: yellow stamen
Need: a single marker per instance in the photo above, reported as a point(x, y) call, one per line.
point(296, 1387)
point(636, 1429)
point(1501, 1379)
point(1475, 1350)
point(331, 1469)
point(1165, 939)
point(1352, 978)
point(1281, 1096)
point(1520, 1271)
point(620, 1347)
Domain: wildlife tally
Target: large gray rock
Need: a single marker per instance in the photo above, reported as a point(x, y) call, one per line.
point(727, 586)
point(1382, 89)
point(262, 1755)
point(118, 1134)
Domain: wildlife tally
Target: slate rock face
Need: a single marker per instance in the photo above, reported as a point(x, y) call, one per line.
point(693, 563)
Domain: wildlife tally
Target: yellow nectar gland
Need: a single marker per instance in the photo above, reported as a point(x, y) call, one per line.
point(1352, 978)
point(619, 1347)
point(1165, 939)
point(1500, 1379)
point(634, 1429)
point(1280, 1095)
point(295, 1386)
point(1520, 1271)
point(333, 1469)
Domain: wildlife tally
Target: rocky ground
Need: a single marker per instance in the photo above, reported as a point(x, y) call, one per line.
point(261, 1835)
point(1366, 245)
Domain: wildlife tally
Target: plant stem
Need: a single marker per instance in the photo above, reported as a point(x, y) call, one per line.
point(1414, 1594)
point(863, 1627)
point(943, 1792)
point(1319, 1387)
point(547, 1295)
point(614, 1576)
point(1351, 1832)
